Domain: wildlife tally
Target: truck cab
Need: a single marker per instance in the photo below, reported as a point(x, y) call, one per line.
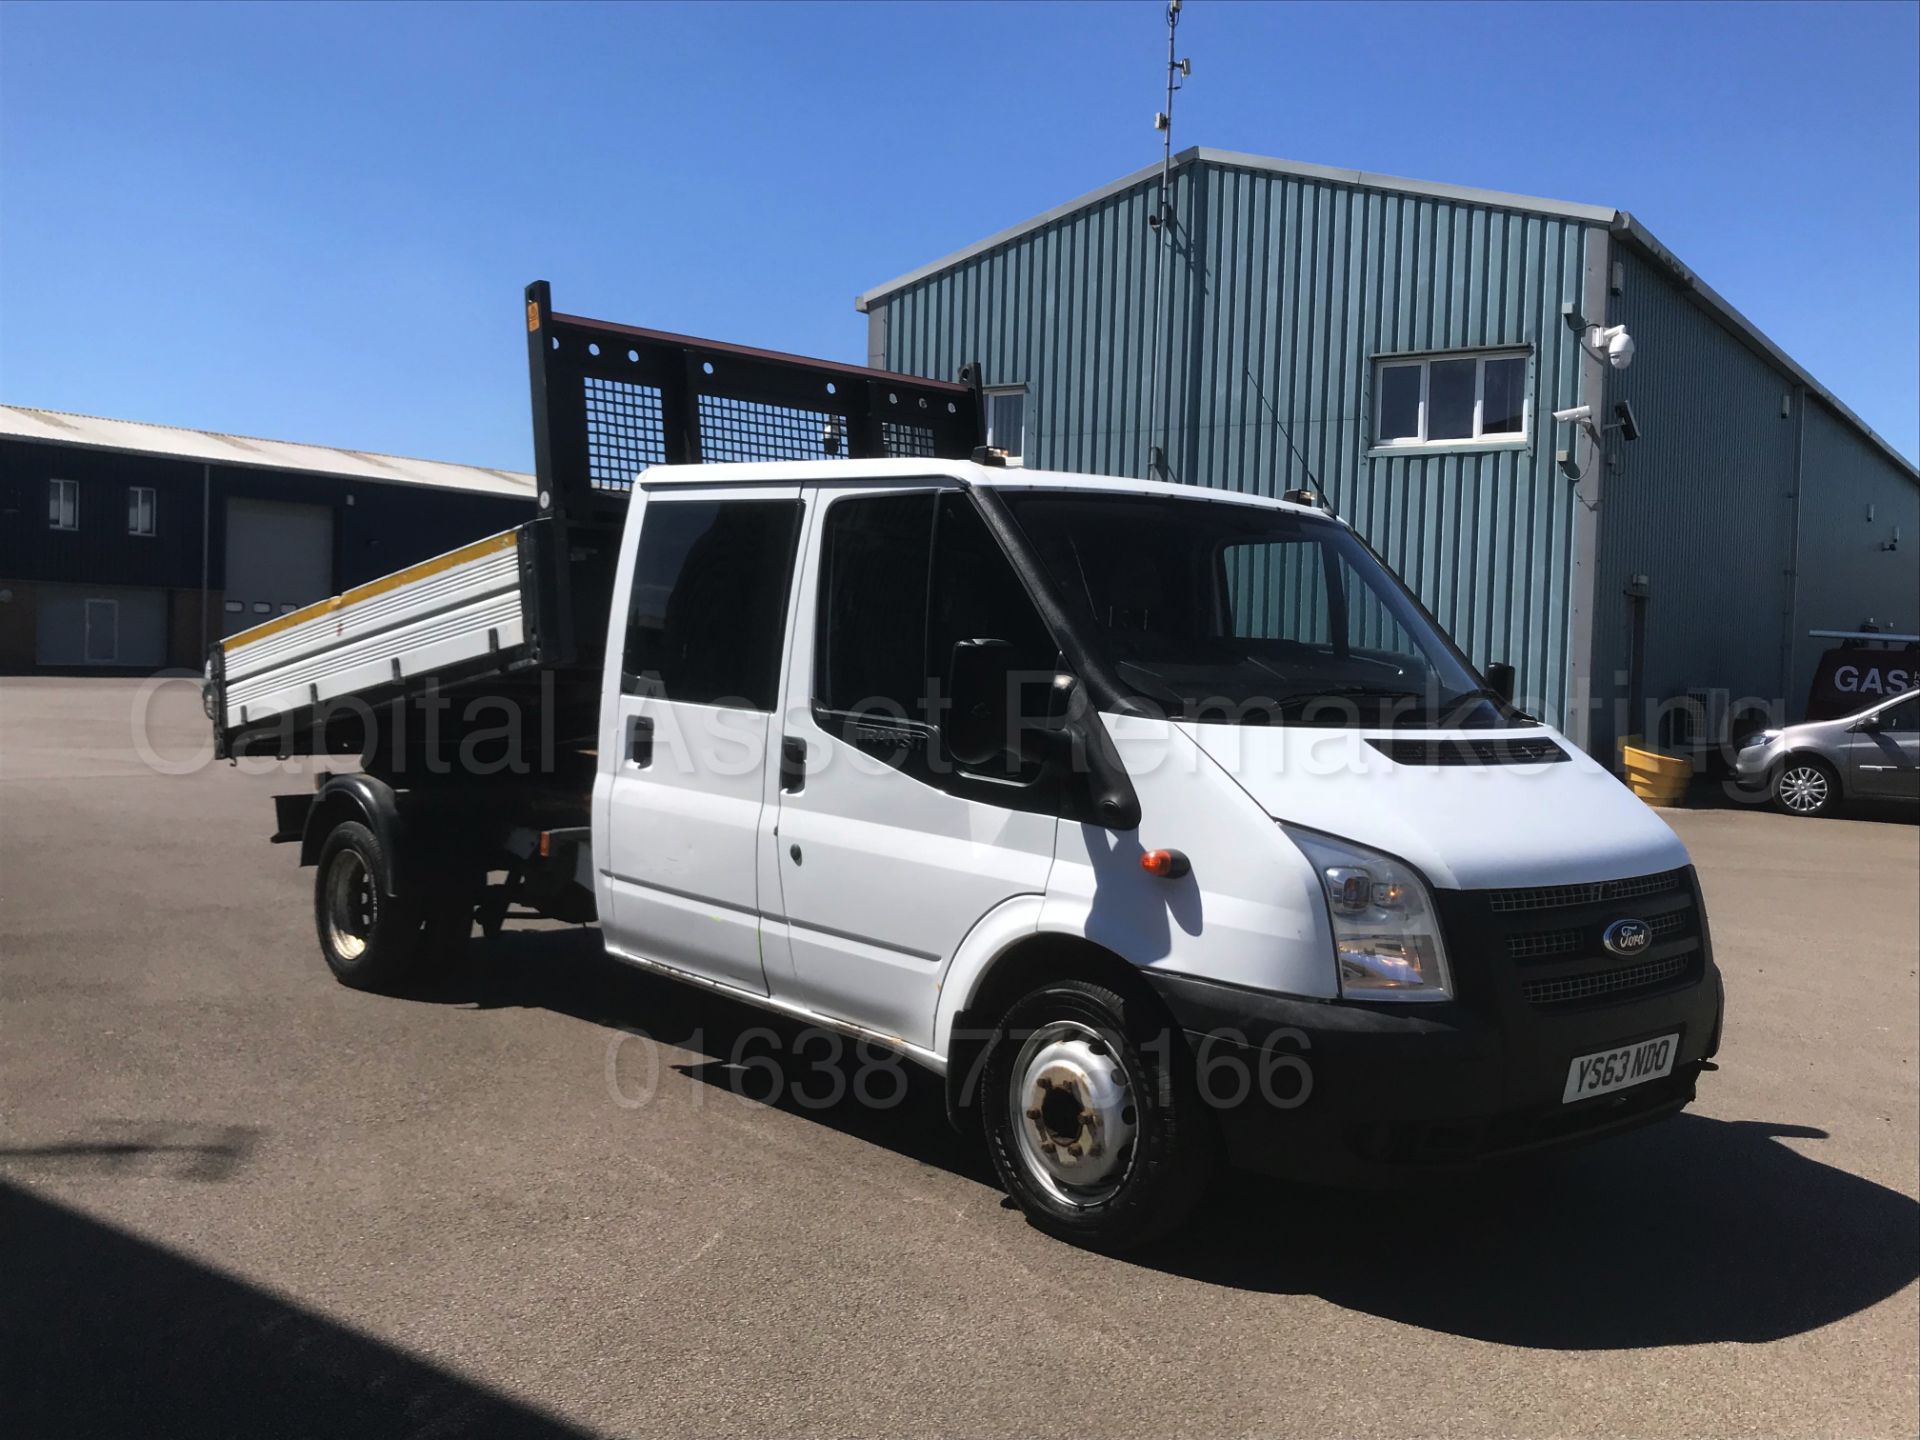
point(1166, 824)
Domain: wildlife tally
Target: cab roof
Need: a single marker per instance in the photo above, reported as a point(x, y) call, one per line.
point(967, 472)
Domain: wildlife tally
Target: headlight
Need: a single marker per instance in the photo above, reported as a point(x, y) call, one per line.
point(1759, 737)
point(1386, 938)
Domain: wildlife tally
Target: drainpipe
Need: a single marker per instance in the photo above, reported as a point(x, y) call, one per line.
point(1789, 629)
point(206, 510)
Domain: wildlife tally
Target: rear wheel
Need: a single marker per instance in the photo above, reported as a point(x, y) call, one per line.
point(1806, 786)
point(1092, 1116)
point(371, 940)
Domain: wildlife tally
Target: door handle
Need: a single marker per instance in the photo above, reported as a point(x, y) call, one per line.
point(640, 741)
point(793, 765)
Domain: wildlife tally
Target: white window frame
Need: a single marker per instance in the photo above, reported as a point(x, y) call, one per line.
point(1016, 456)
point(1425, 360)
point(137, 495)
point(68, 492)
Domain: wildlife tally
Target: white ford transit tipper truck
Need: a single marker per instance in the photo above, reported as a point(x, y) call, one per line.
point(1164, 823)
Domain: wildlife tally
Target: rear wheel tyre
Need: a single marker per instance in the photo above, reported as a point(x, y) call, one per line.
point(1093, 1118)
point(371, 940)
point(1805, 786)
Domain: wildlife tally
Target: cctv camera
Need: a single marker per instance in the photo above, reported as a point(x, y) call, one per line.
point(1578, 415)
point(1616, 343)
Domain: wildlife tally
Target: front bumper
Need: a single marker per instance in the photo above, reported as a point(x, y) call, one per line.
point(1753, 765)
point(1347, 1090)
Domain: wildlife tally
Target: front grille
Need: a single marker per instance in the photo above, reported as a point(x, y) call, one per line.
point(1616, 980)
point(1535, 945)
point(1554, 897)
point(1543, 943)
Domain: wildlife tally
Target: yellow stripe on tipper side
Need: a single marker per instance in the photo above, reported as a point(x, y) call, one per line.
point(492, 545)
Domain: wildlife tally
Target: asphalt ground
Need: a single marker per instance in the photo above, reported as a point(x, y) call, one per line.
point(237, 1198)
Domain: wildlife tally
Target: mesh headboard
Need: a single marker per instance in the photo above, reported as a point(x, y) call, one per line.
point(610, 400)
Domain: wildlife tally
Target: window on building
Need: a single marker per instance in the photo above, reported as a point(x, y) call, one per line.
point(709, 605)
point(63, 504)
point(140, 510)
point(1451, 399)
point(1007, 419)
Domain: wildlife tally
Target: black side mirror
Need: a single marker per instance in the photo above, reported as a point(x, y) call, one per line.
point(979, 726)
point(1500, 680)
point(1867, 723)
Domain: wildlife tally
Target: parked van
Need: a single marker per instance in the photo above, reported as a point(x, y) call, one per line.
point(1164, 823)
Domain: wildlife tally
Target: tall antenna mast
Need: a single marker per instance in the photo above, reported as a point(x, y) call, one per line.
point(1161, 223)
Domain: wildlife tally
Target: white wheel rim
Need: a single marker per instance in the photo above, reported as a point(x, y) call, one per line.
point(1074, 1119)
point(353, 905)
point(1803, 789)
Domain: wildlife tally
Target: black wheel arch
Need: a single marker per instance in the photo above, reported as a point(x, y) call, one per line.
point(369, 800)
point(1029, 962)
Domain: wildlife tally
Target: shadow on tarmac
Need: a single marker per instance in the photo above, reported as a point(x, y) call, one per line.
point(1693, 1231)
point(105, 1334)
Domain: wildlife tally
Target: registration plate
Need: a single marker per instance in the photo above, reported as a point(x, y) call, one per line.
point(1609, 1070)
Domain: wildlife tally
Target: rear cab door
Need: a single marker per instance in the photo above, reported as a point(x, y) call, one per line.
point(694, 650)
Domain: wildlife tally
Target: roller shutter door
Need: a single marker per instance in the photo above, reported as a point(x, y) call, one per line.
point(279, 557)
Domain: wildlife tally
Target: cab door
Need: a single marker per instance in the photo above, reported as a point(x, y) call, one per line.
point(1883, 756)
point(688, 733)
point(887, 848)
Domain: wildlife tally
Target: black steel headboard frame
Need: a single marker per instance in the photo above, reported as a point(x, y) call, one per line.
point(609, 400)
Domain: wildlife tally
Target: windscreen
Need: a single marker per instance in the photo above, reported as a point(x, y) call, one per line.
point(1226, 612)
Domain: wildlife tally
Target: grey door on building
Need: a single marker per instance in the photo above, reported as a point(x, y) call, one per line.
point(279, 557)
point(100, 625)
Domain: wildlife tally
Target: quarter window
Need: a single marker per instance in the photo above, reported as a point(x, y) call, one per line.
point(140, 510)
point(1451, 399)
point(63, 504)
point(709, 606)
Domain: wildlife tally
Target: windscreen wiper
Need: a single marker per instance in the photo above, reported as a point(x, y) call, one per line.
point(1480, 692)
point(1345, 692)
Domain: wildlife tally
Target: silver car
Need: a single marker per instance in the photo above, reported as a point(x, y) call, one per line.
point(1808, 769)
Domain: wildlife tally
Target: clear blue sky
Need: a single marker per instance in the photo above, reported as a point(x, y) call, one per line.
point(313, 222)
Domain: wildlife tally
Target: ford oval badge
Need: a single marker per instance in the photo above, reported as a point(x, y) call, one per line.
point(1627, 937)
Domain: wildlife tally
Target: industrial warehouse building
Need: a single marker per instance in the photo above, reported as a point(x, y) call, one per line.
point(127, 547)
point(1406, 345)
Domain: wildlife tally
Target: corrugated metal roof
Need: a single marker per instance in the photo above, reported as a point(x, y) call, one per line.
point(1620, 222)
point(135, 437)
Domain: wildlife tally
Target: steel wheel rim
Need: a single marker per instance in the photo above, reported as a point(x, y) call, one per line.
point(1803, 789)
point(1074, 1120)
point(353, 905)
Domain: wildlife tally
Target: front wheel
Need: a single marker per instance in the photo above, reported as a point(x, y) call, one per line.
point(1805, 786)
point(1093, 1118)
point(370, 939)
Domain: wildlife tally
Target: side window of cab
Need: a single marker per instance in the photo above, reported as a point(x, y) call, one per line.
point(707, 616)
point(917, 600)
